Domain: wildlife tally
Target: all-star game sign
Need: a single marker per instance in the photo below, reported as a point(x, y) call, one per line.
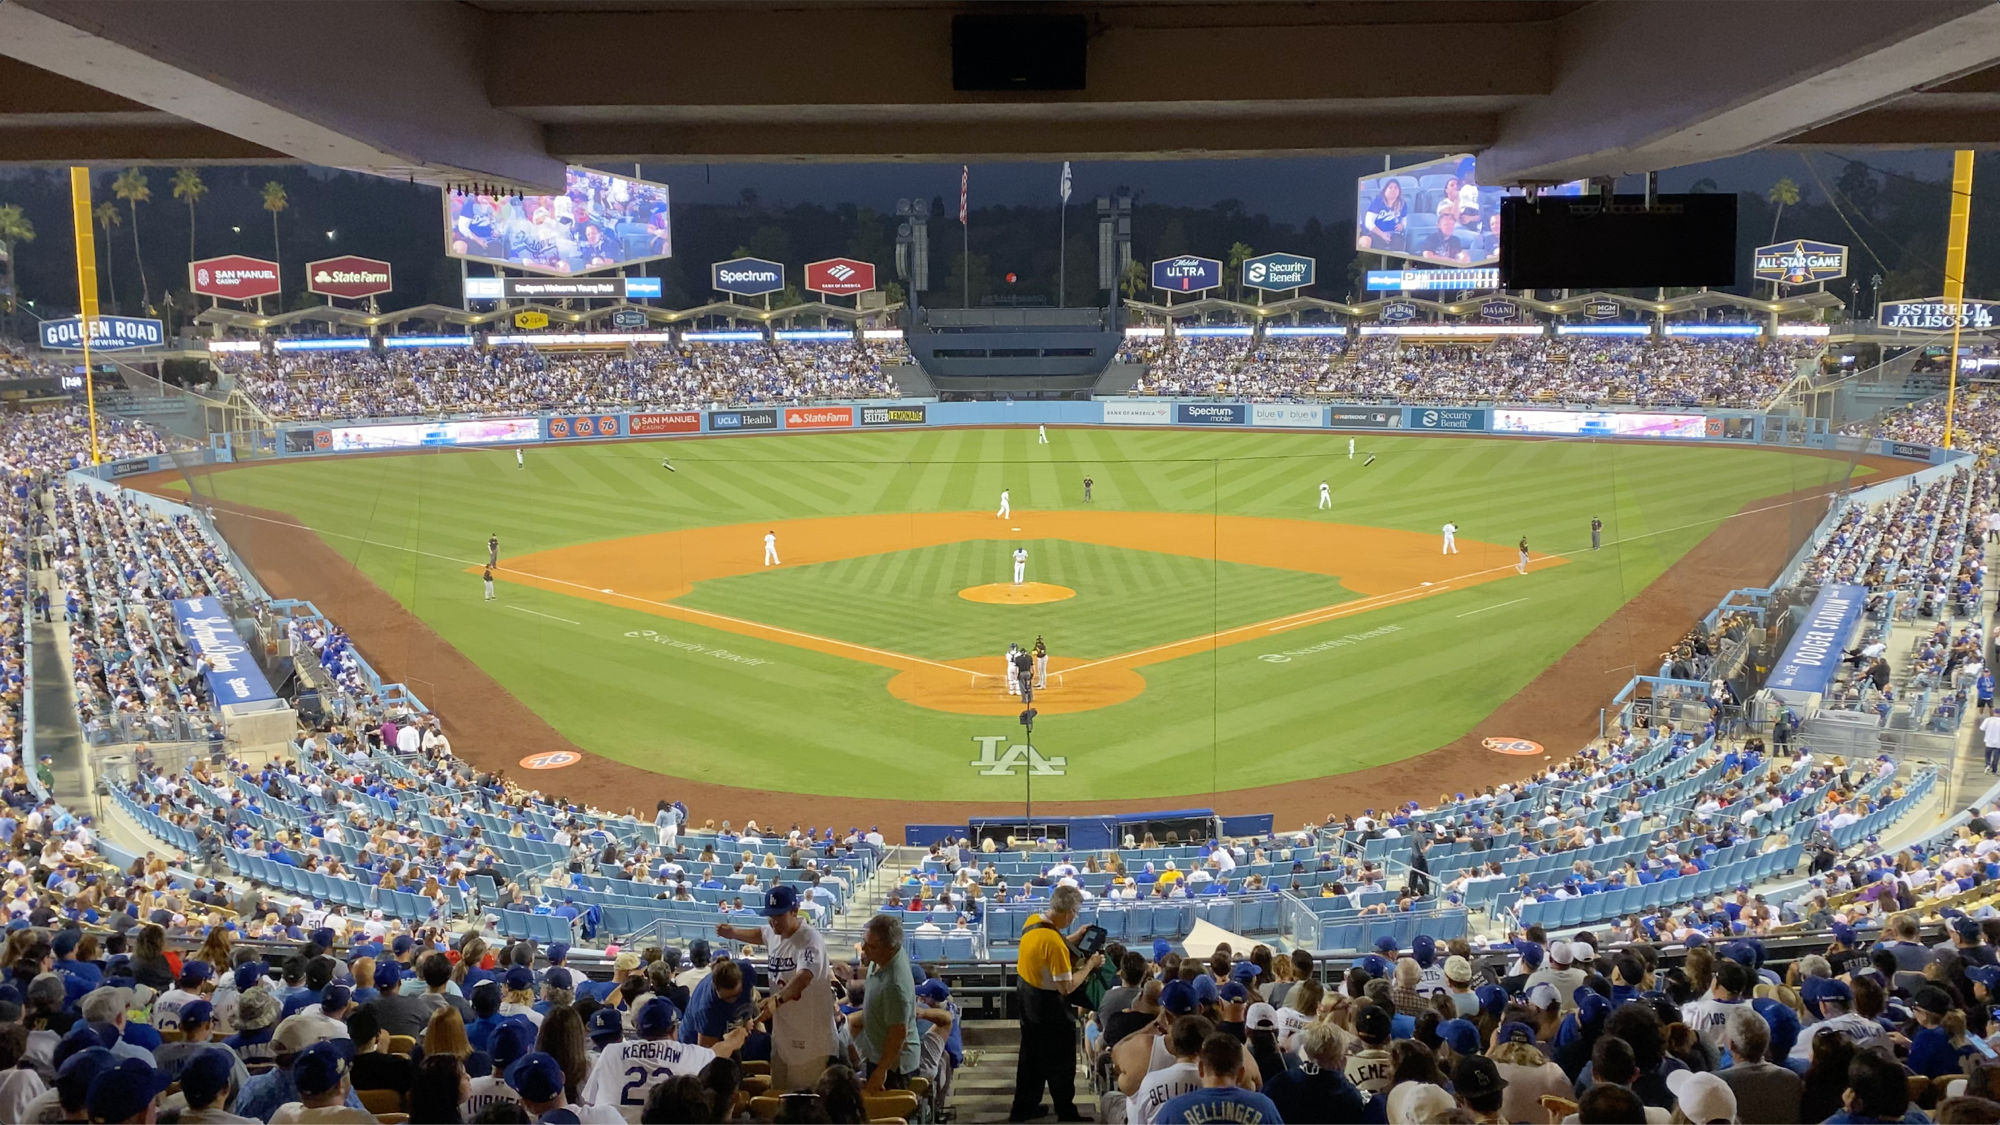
point(1800, 262)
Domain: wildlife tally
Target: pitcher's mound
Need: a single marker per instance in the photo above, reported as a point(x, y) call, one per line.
point(1006, 593)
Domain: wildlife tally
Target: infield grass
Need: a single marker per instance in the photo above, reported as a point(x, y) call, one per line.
point(1410, 677)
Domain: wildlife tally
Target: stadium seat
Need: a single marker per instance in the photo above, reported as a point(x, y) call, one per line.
point(926, 947)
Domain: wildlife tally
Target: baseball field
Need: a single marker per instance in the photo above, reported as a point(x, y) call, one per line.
point(1210, 627)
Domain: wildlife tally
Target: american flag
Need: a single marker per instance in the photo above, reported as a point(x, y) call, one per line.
point(964, 181)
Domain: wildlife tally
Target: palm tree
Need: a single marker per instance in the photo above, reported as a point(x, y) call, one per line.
point(1134, 280)
point(130, 186)
point(274, 202)
point(189, 189)
point(1238, 254)
point(108, 217)
point(1702, 186)
point(1784, 193)
point(15, 228)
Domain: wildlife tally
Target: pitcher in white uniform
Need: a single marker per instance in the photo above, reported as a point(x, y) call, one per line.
point(800, 1006)
point(1020, 564)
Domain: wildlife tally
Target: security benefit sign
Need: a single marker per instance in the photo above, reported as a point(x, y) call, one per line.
point(107, 334)
point(1800, 262)
point(227, 662)
point(1187, 274)
point(1279, 272)
point(1807, 665)
point(1935, 314)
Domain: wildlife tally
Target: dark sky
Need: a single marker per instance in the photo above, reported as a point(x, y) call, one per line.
point(1289, 191)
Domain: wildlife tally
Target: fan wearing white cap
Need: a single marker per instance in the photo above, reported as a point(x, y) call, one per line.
point(1560, 973)
point(1702, 1098)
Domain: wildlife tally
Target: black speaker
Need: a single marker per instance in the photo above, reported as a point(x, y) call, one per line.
point(1616, 242)
point(1024, 51)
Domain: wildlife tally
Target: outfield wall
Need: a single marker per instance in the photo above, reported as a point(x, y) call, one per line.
point(1734, 427)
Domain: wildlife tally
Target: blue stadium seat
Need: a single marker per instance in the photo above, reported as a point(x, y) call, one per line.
point(926, 947)
point(958, 947)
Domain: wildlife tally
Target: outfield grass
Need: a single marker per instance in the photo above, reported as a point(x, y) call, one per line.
point(811, 722)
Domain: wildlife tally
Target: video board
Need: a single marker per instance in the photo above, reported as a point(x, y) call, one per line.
point(480, 431)
point(1606, 422)
point(601, 222)
point(1434, 212)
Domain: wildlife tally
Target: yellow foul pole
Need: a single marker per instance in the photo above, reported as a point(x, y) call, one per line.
point(86, 289)
point(1954, 271)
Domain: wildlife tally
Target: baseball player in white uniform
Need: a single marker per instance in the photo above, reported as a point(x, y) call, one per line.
point(1042, 435)
point(1013, 675)
point(1006, 507)
point(1325, 497)
point(1020, 564)
point(520, 460)
point(770, 548)
point(1350, 449)
point(1450, 539)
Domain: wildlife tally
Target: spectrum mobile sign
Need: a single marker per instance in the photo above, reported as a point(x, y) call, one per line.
point(1278, 272)
point(747, 277)
point(233, 277)
point(1187, 274)
point(1800, 262)
point(349, 276)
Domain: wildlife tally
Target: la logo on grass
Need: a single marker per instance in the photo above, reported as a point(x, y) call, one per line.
point(992, 762)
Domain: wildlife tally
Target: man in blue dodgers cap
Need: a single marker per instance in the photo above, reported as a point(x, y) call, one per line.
point(800, 1006)
point(126, 1091)
point(320, 1076)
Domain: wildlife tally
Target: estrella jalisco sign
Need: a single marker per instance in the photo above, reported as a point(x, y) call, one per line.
point(1800, 262)
point(1935, 314)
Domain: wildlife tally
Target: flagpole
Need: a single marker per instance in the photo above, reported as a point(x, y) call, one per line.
point(1062, 244)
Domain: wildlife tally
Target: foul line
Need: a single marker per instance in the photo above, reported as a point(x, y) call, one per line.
point(1483, 609)
point(539, 613)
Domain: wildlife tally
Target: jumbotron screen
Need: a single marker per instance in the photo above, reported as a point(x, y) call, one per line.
point(1434, 212)
point(601, 222)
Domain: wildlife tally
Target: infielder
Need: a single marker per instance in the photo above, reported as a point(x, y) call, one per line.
point(488, 576)
point(1350, 449)
point(520, 460)
point(771, 548)
point(493, 550)
point(1596, 532)
point(1325, 497)
point(1006, 508)
point(1522, 566)
point(1041, 663)
point(1087, 482)
point(1042, 433)
point(1450, 539)
point(1020, 564)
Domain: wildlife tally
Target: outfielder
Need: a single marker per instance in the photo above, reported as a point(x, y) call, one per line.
point(771, 548)
point(1041, 663)
point(1006, 508)
point(520, 460)
point(1450, 539)
point(1325, 497)
point(1522, 566)
point(1020, 564)
point(1042, 433)
point(1350, 449)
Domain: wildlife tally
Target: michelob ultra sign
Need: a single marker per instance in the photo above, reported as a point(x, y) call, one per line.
point(1800, 262)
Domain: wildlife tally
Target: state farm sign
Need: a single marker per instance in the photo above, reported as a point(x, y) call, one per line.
point(234, 277)
point(840, 277)
point(349, 276)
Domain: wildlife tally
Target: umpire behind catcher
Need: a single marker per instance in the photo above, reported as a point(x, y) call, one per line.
point(1048, 1035)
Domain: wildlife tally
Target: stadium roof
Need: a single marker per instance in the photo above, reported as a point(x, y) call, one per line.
point(508, 91)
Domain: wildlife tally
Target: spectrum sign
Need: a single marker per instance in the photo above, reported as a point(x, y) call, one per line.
point(234, 277)
point(1187, 274)
point(747, 277)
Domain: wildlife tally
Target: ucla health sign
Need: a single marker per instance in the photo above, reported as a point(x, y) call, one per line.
point(107, 333)
point(229, 667)
point(1808, 663)
point(1800, 262)
point(1187, 274)
point(747, 276)
point(1276, 273)
point(1210, 413)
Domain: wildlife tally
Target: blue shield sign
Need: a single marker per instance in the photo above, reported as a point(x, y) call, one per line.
point(1276, 273)
point(747, 277)
point(1187, 274)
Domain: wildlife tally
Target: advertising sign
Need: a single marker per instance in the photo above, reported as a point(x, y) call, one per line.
point(1412, 281)
point(892, 415)
point(1287, 414)
point(1351, 418)
point(545, 288)
point(1602, 310)
point(628, 318)
point(107, 333)
point(1435, 211)
point(1209, 413)
point(1909, 450)
point(1809, 661)
point(1933, 313)
point(664, 422)
point(1442, 418)
point(233, 277)
point(1606, 423)
point(818, 417)
point(231, 672)
point(746, 276)
point(530, 318)
point(1278, 272)
point(839, 277)
point(743, 420)
point(588, 426)
point(600, 222)
point(1187, 274)
point(1500, 310)
point(349, 276)
point(411, 435)
point(1119, 412)
point(1800, 262)
point(1398, 311)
